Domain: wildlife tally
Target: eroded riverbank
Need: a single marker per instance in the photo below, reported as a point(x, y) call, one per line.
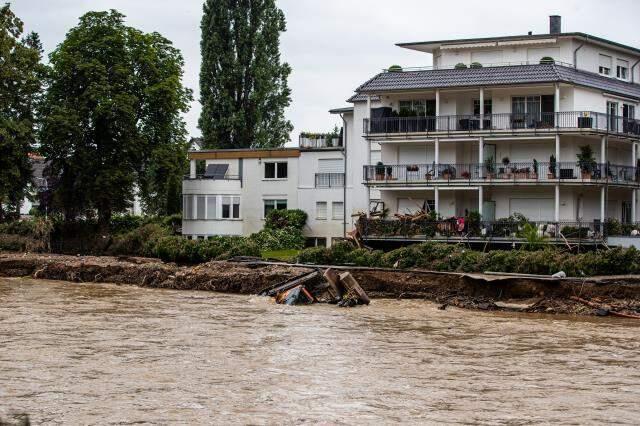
point(475, 291)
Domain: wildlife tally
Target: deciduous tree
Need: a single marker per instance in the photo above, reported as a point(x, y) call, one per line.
point(21, 77)
point(113, 117)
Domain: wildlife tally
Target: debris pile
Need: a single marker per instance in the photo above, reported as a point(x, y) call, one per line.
point(341, 289)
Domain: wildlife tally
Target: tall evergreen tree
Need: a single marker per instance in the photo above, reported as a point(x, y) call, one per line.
point(113, 118)
point(243, 83)
point(21, 77)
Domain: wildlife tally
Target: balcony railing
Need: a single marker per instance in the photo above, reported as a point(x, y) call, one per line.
point(492, 172)
point(486, 230)
point(587, 120)
point(329, 180)
point(206, 177)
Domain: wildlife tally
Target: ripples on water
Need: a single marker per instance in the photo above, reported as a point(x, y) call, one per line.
point(84, 353)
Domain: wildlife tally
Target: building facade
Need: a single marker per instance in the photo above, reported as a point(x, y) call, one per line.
point(230, 192)
point(544, 126)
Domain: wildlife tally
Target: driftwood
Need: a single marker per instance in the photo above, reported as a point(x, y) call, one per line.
point(610, 312)
point(336, 288)
point(352, 285)
point(288, 285)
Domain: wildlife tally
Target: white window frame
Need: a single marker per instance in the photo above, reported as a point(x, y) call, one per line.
point(235, 213)
point(277, 169)
point(322, 210)
point(606, 68)
point(337, 210)
point(622, 70)
point(275, 202)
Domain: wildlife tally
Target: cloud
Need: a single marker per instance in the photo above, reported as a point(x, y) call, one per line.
point(335, 45)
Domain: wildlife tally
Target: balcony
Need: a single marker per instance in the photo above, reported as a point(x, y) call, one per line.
point(209, 177)
point(499, 231)
point(329, 180)
point(504, 122)
point(491, 173)
point(320, 140)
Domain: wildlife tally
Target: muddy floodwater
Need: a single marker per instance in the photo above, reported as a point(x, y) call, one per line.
point(108, 354)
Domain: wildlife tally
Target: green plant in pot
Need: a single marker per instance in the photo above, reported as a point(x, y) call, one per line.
point(490, 166)
point(535, 169)
point(380, 171)
point(547, 60)
point(475, 65)
point(552, 167)
point(586, 161)
point(460, 66)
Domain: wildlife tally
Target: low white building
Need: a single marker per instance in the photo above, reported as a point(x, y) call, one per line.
point(236, 189)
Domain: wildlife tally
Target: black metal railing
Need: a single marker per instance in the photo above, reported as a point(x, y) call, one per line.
point(208, 177)
point(518, 171)
point(329, 180)
point(499, 230)
point(540, 121)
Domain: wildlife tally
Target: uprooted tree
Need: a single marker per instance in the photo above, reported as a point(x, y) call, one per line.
point(113, 119)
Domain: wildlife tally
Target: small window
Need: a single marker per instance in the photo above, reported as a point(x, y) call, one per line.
point(276, 170)
point(321, 210)
point(211, 207)
point(274, 205)
point(337, 210)
point(605, 65)
point(200, 209)
point(622, 69)
point(487, 106)
point(188, 206)
point(226, 207)
point(236, 208)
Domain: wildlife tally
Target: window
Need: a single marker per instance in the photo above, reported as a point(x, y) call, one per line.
point(629, 111)
point(187, 207)
point(226, 207)
point(337, 210)
point(211, 207)
point(201, 206)
point(275, 170)
point(605, 65)
point(274, 205)
point(622, 69)
point(321, 210)
point(487, 106)
point(235, 211)
point(418, 108)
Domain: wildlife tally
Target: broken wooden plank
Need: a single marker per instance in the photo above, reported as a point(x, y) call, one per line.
point(287, 285)
point(607, 310)
point(351, 284)
point(336, 288)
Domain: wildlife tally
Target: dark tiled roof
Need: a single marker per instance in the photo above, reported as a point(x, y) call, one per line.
point(361, 97)
point(495, 76)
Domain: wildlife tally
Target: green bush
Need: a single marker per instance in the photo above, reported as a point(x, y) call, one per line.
point(121, 224)
point(138, 242)
point(315, 256)
point(280, 219)
point(182, 250)
point(279, 239)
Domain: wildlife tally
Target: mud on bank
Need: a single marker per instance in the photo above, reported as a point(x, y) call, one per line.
point(475, 291)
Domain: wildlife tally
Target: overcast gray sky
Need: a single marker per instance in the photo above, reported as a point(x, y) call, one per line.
point(335, 45)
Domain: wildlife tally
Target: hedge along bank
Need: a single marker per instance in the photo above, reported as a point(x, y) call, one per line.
point(155, 237)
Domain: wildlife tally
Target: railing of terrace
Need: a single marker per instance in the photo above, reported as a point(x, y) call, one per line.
point(484, 230)
point(208, 177)
point(519, 171)
point(504, 121)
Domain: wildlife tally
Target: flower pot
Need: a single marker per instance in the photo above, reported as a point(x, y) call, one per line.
point(551, 175)
point(379, 177)
point(446, 175)
point(586, 175)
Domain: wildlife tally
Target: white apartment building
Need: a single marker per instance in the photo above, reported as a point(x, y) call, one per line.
point(478, 129)
point(237, 189)
point(542, 125)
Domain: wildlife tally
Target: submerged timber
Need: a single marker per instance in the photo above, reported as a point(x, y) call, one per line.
point(589, 296)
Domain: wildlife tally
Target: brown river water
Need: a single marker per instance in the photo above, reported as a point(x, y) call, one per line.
point(108, 354)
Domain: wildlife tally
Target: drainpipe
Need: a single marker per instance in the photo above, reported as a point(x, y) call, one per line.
point(575, 56)
point(632, 67)
point(344, 183)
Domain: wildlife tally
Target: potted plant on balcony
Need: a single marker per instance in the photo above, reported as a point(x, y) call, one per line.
point(534, 174)
point(465, 175)
point(447, 173)
point(379, 171)
point(389, 173)
point(460, 66)
point(505, 170)
point(475, 65)
point(547, 60)
point(553, 167)
point(490, 166)
point(585, 121)
point(413, 168)
point(586, 162)
point(395, 68)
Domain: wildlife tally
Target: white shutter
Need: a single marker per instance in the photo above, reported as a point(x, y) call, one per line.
point(605, 61)
point(337, 208)
point(321, 210)
point(331, 165)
